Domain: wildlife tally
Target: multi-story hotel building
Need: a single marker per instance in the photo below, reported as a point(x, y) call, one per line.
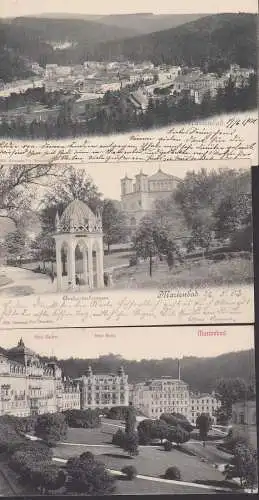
point(203, 403)
point(104, 390)
point(165, 395)
point(28, 386)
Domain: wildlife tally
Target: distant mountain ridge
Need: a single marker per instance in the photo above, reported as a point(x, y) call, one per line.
point(230, 38)
point(200, 373)
point(141, 23)
point(212, 42)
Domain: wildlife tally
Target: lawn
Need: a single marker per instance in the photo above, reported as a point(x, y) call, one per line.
point(191, 274)
point(151, 461)
point(143, 487)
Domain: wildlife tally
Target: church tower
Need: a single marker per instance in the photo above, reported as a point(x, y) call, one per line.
point(141, 182)
point(126, 185)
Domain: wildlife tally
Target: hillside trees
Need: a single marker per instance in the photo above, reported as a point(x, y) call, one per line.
point(230, 391)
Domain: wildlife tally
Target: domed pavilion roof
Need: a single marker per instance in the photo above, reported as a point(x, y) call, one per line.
point(77, 218)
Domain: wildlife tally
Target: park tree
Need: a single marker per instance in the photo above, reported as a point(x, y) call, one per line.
point(173, 419)
point(18, 188)
point(43, 248)
point(15, 243)
point(229, 391)
point(114, 223)
point(145, 431)
point(160, 430)
point(150, 240)
point(118, 438)
point(205, 197)
point(87, 419)
point(245, 466)
point(130, 421)
point(47, 477)
point(88, 476)
point(203, 424)
point(130, 444)
point(51, 427)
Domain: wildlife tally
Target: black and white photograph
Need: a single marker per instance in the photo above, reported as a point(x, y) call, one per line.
point(173, 411)
point(74, 70)
point(125, 227)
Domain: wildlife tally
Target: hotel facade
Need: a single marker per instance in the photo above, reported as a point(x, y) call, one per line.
point(29, 386)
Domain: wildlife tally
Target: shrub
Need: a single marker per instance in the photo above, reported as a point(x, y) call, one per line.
point(89, 477)
point(119, 438)
point(173, 473)
point(48, 477)
point(133, 261)
point(234, 439)
point(130, 472)
point(168, 446)
point(51, 427)
point(131, 443)
point(245, 465)
point(144, 439)
point(176, 418)
point(118, 412)
point(87, 419)
point(10, 440)
point(87, 456)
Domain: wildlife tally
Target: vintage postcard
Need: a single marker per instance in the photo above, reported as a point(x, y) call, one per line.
point(115, 244)
point(171, 411)
point(136, 85)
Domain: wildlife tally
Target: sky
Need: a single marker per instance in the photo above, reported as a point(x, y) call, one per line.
point(133, 343)
point(107, 177)
point(13, 8)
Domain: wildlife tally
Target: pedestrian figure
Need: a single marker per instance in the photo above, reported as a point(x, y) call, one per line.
point(106, 279)
point(170, 260)
point(52, 277)
point(77, 280)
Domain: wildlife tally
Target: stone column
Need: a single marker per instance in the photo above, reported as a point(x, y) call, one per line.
point(90, 264)
point(71, 264)
point(99, 264)
point(58, 265)
point(85, 269)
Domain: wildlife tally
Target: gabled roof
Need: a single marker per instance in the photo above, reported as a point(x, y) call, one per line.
point(160, 176)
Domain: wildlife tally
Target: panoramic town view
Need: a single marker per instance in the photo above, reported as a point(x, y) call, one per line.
point(68, 77)
point(160, 228)
point(109, 424)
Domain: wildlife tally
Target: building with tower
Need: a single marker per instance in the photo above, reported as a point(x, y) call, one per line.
point(79, 232)
point(104, 390)
point(139, 195)
point(30, 387)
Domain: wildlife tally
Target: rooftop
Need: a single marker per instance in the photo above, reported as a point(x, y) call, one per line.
point(77, 217)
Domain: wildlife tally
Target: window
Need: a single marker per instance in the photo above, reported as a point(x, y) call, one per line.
point(241, 418)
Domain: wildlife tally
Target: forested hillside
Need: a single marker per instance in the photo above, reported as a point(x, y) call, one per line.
point(217, 40)
point(200, 373)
